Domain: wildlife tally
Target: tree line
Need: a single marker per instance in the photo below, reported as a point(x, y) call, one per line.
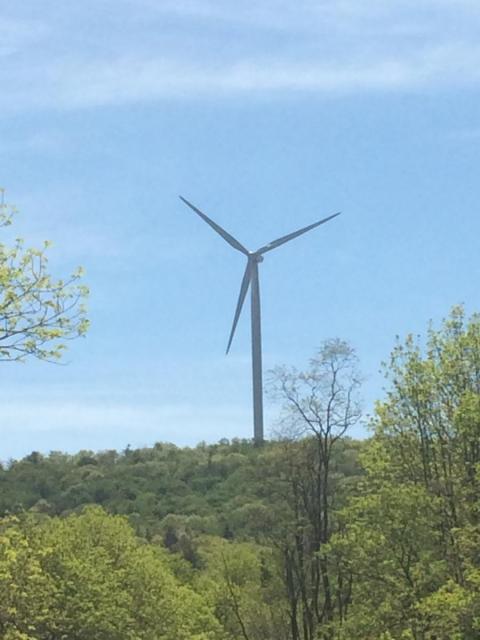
point(315, 536)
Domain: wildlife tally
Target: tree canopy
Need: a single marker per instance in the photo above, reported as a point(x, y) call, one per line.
point(87, 576)
point(314, 536)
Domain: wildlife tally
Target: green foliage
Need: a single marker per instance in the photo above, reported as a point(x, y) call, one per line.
point(310, 538)
point(87, 576)
point(411, 534)
point(37, 313)
point(220, 511)
point(389, 543)
point(244, 588)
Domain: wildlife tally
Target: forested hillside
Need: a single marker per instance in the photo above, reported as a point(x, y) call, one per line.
point(313, 536)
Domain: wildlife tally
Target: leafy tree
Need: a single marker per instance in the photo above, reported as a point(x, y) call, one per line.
point(244, 588)
point(87, 576)
point(26, 592)
point(388, 543)
point(37, 313)
point(411, 535)
point(429, 424)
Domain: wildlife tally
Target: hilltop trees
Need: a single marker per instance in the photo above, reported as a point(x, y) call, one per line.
point(37, 313)
point(314, 536)
point(216, 514)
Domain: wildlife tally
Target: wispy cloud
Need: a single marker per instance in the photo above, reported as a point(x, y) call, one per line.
point(81, 84)
point(148, 51)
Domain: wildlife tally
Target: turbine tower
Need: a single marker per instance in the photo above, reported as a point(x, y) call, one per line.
point(251, 277)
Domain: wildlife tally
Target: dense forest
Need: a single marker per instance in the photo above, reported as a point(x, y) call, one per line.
point(312, 536)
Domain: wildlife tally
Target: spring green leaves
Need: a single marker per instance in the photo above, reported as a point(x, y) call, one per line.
point(87, 576)
point(38, 313)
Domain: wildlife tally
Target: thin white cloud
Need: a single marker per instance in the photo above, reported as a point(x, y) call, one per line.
point(404, 17)
point(123, 81)
point(149, 51)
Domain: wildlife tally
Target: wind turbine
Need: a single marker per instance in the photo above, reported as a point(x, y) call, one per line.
point(251, 277)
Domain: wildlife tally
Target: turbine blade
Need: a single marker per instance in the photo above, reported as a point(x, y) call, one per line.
point(225, 235)
point(241, 299)
point(276, 243)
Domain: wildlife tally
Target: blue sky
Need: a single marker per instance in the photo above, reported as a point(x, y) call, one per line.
point(268, 116)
